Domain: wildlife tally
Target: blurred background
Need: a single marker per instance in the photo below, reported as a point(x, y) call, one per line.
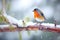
point(22, 8)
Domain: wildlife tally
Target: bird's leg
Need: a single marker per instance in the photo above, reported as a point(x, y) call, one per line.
point(35, 22)
point(40, 23)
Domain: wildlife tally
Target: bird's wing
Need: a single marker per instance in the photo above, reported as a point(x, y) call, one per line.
point(41, 13)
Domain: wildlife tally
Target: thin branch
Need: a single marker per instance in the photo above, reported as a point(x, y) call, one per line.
point(33, 27)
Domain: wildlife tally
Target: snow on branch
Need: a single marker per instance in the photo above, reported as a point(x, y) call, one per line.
point(30, 27)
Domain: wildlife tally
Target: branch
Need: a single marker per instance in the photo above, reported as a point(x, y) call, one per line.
point(31, 27)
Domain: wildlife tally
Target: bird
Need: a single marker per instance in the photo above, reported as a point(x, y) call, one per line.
point(38, 16)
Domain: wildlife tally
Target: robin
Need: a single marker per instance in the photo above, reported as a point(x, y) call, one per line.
point(38, 15)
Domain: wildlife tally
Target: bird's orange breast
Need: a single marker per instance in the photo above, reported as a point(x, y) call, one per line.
point(37, 15)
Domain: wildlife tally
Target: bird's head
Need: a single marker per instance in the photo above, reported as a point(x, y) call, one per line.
point(36, 9)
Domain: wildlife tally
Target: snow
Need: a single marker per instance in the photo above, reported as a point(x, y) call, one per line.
point(12, 20)
point(31, 23)
point(3, 26)
point(58, 26)
point(48, 24)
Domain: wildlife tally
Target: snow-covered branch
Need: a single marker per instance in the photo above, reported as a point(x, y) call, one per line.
point(30, 27)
